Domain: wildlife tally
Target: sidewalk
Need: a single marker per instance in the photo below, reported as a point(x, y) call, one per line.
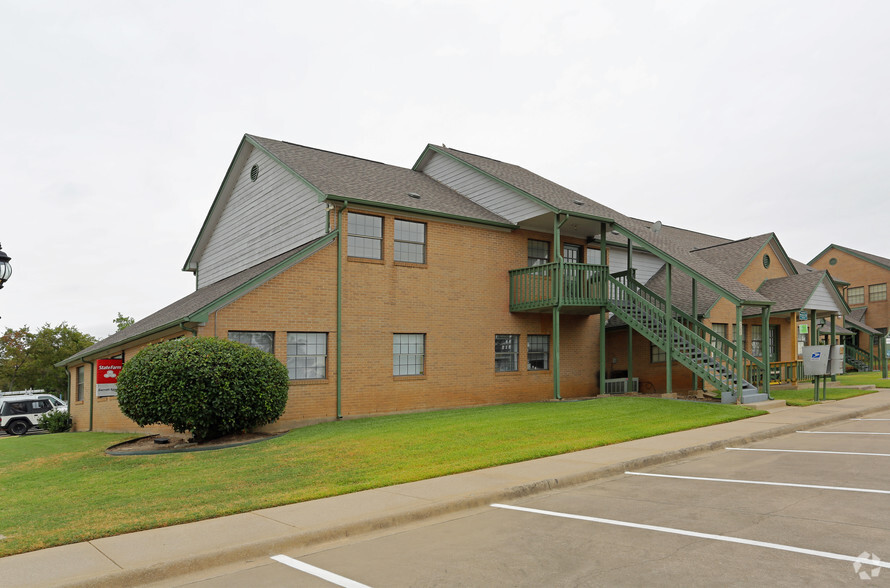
point(160, 554)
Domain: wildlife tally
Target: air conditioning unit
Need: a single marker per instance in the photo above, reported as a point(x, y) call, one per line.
point(619, 386)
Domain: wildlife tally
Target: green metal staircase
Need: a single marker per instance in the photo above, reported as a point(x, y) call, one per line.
point(701, 350)
point(859, 359)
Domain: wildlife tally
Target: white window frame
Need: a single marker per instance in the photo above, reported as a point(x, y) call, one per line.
point(255, 339)
point(405, 243)
point(408, 354)
point(510, 353)
point(361, 242)
point(298, 364)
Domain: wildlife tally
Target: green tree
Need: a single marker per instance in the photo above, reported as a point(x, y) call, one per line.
point(27, 360)
point(123, 322)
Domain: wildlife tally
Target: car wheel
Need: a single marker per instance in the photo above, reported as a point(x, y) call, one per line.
point(17, 428)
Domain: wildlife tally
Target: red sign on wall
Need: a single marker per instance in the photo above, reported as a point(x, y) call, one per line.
point(106, 376)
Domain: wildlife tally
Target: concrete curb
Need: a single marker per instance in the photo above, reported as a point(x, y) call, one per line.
point(301, 539)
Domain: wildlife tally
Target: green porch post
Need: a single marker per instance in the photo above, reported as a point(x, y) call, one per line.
point(740, 356)
point(872, 342)
point(630, 331)
point(669, 323)
point(883, 348)
point(833, 333)
point(814, 340)
point(766, 370)
point(694, 326)
point(602, 349)
point(557, 254)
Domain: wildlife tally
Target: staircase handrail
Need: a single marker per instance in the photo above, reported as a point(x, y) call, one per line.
point(724, 344)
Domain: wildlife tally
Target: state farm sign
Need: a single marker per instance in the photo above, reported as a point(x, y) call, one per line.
point(106, 376)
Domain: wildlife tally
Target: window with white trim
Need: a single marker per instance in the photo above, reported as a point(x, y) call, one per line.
point(365, 236)
point(407, 354)
point(307, 355)
point(538, 352)
point(262, 340)
point(409, 241)
point(877, 292)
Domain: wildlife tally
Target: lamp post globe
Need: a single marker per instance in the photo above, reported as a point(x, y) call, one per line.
point(5, 267)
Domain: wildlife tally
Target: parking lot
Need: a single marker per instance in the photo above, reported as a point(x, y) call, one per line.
point(806, 508)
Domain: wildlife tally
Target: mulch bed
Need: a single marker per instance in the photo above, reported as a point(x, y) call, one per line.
point(179, 443)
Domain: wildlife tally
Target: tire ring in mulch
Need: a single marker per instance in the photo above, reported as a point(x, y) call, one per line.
point(132, 447)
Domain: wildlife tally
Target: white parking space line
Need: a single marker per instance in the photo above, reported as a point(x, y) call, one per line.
point(840, 433)
point(318, 572)
point(696, 534)
point(761, 483)
point(808, 451)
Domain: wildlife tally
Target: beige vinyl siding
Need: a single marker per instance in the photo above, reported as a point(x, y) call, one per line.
point(481, 189)
point(261, 219)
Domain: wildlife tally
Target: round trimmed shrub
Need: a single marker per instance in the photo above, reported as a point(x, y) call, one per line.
point(211, 387)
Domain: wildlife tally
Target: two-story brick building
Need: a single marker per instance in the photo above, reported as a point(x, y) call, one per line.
point(460, 281)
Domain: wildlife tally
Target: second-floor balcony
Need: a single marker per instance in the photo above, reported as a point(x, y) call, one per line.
point(577, 288)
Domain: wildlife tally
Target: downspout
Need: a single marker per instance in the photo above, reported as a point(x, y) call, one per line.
point(669, 335)
point(92, 385)
point(630, 330)
point(340, 307)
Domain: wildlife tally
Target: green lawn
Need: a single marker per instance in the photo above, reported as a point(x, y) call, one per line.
point(804, 396)
point(63, 488)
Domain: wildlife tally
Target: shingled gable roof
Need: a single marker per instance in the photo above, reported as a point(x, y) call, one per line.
point(194, 307)
point(538, 187)
point(344, 177)
point(857, 323)
point(735, 256)
point(563, 200)
point(870, 257)
point(683, 238)
point(794, 292)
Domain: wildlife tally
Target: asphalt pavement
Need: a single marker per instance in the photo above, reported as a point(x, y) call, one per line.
point(162, 556)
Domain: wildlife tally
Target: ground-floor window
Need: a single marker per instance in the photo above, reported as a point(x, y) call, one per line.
point(506, 353)
point(262, 340)
point(757, 340)
point(407, 354)
point(538, 352)
point(307, 355)
point(79, 393)
point(657, 354)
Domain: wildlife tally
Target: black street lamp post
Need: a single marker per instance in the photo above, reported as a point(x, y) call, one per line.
point(5, 267)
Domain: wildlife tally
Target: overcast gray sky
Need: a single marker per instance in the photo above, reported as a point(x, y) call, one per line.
point(731, 118)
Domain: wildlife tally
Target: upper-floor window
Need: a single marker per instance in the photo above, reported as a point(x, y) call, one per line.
point(856, 295)
point(365, 236)
point(538, 252)
point(410, 242)
point(307, 355)
point(262, 340)
point(877, 292)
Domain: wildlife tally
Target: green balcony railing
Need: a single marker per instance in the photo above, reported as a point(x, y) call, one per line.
point(544, 286)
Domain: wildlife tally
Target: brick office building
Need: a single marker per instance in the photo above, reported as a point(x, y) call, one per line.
point(460, 281)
